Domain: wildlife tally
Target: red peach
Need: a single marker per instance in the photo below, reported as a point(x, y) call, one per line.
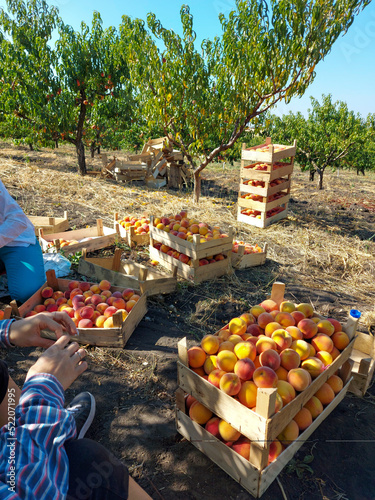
point(56, 295)
point(119, 303)
point(129, 305)
point(306, 309)
point(52, 308)
point(282, 338)
point(325, 326)
point(276, 448)
point(86, 312)
point(242, 447)
point(290, 359)
point(264, 343)
point(73, 284)
point(60, 301)
point(127, 293)
point(270, 358)
point(297, 315)
point(308, 328)
point(322, 342)
point(336, 324)
point(285, 319)
point(269, 305)
point(189, 400)
point(212, 426)
point(313, 365)
point(39, 308)
point(264, 319)
point(265, 377)
point(248, 318)
point(254, 330)
point(47, 292)
point(85, 323)
point(286, 391)
point(215, 376)
point(84, 286)
point(299, 378)
point(244, 368)
point(230, 383)
point(340, 340)
point(68, 310)
point(102, 307)
point(335, 353)
point(104, 285)
point(110, 311)
point(196, 357)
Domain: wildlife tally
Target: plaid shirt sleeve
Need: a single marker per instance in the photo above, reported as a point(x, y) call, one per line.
point(4, 333)
point(33, 461)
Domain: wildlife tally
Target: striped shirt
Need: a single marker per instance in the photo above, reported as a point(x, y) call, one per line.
point(33, 461)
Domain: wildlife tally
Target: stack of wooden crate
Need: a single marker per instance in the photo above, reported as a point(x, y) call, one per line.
point(264, 193)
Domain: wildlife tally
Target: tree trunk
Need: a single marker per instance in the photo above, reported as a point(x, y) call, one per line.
point(31, 147)
point(312, 175)
point(197, 187)
point(92, 149)
point(56, 144)
point(80, 148)
point(98, 149)
point(321, 172)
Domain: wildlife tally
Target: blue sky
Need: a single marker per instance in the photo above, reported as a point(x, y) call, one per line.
point(348, 72)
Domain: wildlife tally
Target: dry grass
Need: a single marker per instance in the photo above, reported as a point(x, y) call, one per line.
point(314, 247)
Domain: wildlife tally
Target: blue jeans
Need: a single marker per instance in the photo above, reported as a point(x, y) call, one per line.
point(24, 268)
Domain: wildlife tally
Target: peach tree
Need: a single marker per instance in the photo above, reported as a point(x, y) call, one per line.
point(205, 97)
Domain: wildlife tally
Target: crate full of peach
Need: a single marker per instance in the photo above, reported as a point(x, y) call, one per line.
point(269, 376)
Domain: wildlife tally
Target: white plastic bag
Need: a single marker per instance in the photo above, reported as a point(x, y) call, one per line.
point(61, 265)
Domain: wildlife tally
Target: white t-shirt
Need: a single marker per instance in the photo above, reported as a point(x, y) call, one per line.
point(16, 230)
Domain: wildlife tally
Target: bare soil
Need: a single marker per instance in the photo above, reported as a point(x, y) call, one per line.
point(323, 251)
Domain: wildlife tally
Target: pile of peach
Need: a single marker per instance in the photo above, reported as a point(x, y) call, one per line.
point(179, 225)
point(90, 306)
point(257, 214)
point(258, 197)
point(262, 184)
point(264, 166)
point(141, 224)
point(282, 347)
point(63, 243)
point(248, 248)
point(185, 259)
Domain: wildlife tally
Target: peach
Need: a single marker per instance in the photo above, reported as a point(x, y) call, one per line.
point(47, 292)
point(335, 353)
point(299, 378)
point(95, 299)
point(210, 344)
point(254, 330)
point(287, 306)
point(325, 394)
point(285, 319)
point(72, 285)
point(289, 359)
point(265, 377)
point(235, 339)
point(84, 286)
point(227, 432)
point(215, 376)
point(226, 346)
point(264, 319)
point(104, 285)
point(322, 342)
point(248, 318)
point(289, 434)
point(49, 301)
point(39, 308)
point(270, 358)
point(127, 293)
point(200, 371)
point(123, 312)
point(110, 311)
point(102, 307)
point(86, 312)
point(312, 351)
point(242, 447)
point(269, 305)
point(196, 357)
point(264, 343)
point(325, 357)
point(281, 372)
point(282, 338)
point(315, 319)
point(210, 364)
point(286, 391)
point(336, 383)
point(302, 347)
point(129, 305)
point(314, 366)
point(99, 322)
point(230, 383)
point(51, 308)
point(135, 297)
point(325, 326)
point(95, 289)
point(278, 403)
point(223, 335)
point(297, 315)
point(248, 394)
point(271, 327)
point(212, 426)
point(85, 323)
point(226, 360)
point(189, 400)
point(244, 368)
point(257, 310)
point(199, 413)
point(303, 419)
point(308, 328)
point(336, 324)
point(276, 448)
point(314, 406)
point(340, 340)
point(68, 310)
point(237, 326)
point(245, 350)
point(295, 332)
point(60, 301)
point(306, 309)
point(56, 295)
point(119, 303)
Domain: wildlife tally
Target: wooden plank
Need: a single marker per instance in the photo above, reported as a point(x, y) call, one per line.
point(270, 155)
point(241, 260)
point(263, 206)
point(49, 224)
point(253, 221)
point(266, 176)
point(267, 190)
point(278, 292)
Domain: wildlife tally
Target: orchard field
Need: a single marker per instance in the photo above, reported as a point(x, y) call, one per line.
point(323, 252)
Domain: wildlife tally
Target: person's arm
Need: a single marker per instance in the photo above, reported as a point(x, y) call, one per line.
point(32, 444)
point(13, 221)
point(4, 333)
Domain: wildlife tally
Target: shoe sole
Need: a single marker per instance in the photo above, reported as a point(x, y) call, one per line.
point(90, 418)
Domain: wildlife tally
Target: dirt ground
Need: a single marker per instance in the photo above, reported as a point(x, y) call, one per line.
point(134, 387)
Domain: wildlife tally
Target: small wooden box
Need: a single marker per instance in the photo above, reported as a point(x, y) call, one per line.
point(261, 427)
point(267, 190)
point(249, 172)
point(131, 238)
point(363, 357)
point(241, 260)
point(91, 238)
point(49, 224)
point(262, 220)
point(106, 337)
point(196, 251)
point(127, 274)
point(268, 152)
point(264, 206)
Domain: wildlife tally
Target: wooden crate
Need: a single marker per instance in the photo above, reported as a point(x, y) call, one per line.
point(129, 235)
point(265, 175)
point(262, 221)
point(126, 171)
point(261, 427)
point(241, 260)
point(100, 235)
point(106, 337)
point(268, 152)
point(267, 190)
point(127, 274)
point(49, 224)
point(363, 357)
point(196, 251)
point(264, 206)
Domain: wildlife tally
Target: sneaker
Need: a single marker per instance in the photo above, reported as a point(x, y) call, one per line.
point(82, 407)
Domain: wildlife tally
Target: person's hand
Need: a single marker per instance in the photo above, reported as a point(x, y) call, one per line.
point(26, 332)
point(61, 360)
